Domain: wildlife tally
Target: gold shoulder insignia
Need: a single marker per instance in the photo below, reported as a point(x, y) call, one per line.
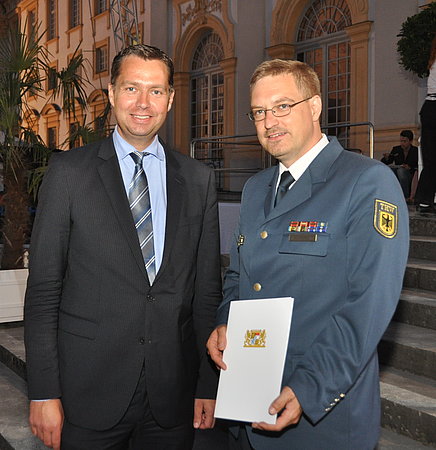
point(385, 218)
point(255, 338)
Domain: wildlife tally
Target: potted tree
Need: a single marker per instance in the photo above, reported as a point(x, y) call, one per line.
point(415, 40)
point(23, 155)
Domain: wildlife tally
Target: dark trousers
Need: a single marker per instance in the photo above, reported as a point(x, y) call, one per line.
point(405, 178)
point(137, 430)
point(238, 439)
point(427, 181)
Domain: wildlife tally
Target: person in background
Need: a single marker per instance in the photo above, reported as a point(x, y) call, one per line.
point(330, 229)
point(403, 160)
point(426, 189)
point(124, 281)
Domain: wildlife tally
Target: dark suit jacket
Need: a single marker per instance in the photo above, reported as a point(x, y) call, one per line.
point(91, 318)
point(396, 156)
point(346, 285)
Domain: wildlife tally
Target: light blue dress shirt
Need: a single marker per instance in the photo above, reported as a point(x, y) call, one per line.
point(154, 166)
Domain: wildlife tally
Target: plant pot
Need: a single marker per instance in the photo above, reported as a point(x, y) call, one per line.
point(12, 289)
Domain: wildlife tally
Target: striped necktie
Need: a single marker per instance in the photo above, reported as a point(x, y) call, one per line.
point(285, 181)
point(139, 199)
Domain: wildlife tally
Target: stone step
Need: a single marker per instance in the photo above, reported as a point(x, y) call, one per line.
point(390, 440)
point(423, 247)
point(420, 274)
point(15, 433)
point(420, 225)
point(410, 348)
point(14, 437)
point(417, 307)
point(12, 353)
point(409, 405)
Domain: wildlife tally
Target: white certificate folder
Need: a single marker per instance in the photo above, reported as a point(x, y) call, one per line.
point(257, 340)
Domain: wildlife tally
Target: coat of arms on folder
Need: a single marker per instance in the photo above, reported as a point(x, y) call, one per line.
point(255, 338)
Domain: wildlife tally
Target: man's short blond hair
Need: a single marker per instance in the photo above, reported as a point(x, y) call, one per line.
point(305, 77)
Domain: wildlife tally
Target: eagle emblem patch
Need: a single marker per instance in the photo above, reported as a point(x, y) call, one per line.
point(255, 338)
point(385, 218)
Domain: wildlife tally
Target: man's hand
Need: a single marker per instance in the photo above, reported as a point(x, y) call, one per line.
point(204, 413)
point(290, 408)
point(46, 419)
point(216, 344)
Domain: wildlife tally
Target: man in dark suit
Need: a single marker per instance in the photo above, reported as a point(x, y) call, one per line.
point(114, 334)
point(403, 160)
point(335, 238)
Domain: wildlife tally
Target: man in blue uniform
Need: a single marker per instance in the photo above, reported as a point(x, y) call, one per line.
point(332, 232)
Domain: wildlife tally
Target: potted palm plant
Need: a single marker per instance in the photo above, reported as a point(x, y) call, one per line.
point(23, 154)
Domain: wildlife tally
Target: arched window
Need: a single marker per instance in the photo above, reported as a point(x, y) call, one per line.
point(323, 43)
point(207, 88)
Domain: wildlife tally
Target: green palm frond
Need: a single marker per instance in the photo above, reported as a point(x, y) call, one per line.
point(70, 85)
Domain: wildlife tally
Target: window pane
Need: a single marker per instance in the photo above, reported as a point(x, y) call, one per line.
point(100, 6)
point(74, 13)
point(52, 138)
point(101, 59)
point(51, 19)
point(52, 80)
point(324, 17)
point(207, 88)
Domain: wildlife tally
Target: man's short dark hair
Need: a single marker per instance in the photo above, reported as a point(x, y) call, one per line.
point(147, 53)
point(407, 134)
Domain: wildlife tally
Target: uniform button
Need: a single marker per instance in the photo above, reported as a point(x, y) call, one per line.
point(257, 287)
point(149, 341)
point(342, 395)
point(327, 409)
point(337, 400)
point(150, 298)
point(264, 234)
point(142, 341)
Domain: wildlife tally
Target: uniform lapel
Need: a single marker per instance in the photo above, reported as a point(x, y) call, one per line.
point(109, 171)
point(317, 172)
point(269, 198)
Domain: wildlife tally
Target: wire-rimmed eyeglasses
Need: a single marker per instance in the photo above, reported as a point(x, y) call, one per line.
point(277, 111)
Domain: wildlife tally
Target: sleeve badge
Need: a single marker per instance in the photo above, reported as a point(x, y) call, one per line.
point(385, 218)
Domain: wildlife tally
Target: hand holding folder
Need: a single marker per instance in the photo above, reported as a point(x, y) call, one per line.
point(254, 355)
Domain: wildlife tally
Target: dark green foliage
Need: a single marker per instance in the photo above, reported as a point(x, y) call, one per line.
point(416, 35)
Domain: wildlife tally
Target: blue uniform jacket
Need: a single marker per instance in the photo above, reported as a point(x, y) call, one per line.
point(346, 283)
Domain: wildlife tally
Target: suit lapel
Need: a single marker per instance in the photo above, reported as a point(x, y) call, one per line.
point(176, 191)
point(110, 174)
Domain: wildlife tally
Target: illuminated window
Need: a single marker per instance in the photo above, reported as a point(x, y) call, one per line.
point(323, 44)
point(207, 88)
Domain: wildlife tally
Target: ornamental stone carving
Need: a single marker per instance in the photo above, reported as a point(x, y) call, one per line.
point(199, 10)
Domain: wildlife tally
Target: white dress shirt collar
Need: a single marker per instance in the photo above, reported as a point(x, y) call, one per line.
point(299, 167)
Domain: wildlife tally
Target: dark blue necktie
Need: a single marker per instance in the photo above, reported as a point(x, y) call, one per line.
point(139, 199)
point(285, 181)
